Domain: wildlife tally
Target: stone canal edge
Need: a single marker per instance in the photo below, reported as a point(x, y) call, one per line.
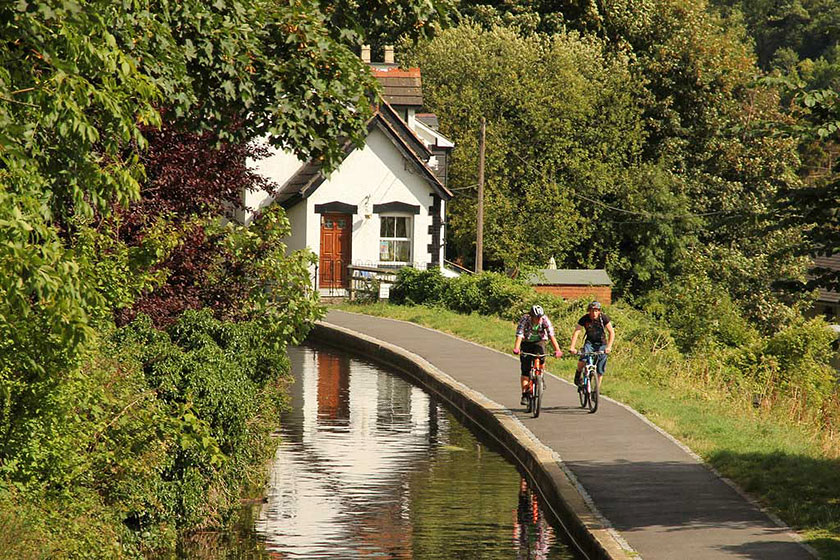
point(588, 530)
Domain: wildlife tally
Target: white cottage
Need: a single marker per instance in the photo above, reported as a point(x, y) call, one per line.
point(384, 205)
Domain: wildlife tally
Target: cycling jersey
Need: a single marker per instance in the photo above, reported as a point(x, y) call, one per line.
point(534, 333)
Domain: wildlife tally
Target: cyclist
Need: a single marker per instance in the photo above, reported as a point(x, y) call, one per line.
point(533, 329)
point(599, 338)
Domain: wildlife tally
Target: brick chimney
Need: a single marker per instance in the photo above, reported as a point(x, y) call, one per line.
point(389, 54)
point(366, 54)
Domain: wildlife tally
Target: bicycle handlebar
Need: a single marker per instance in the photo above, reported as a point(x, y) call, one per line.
point(535, 355)
point(584, 354)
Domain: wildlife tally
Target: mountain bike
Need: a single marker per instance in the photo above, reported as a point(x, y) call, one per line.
point(588, 390)
point(536, 383)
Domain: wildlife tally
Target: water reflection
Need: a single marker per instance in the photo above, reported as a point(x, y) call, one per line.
point(371, 466)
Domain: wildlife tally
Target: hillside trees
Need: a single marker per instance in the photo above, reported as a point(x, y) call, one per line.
point(790, 31)
point(564, 128)
point(690, 174)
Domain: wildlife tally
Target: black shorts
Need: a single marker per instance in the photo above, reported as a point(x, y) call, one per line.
point(531, 348)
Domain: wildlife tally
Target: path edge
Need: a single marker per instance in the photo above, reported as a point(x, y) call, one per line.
point(590, 533)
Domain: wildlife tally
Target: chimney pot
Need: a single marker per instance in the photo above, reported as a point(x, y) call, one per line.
point(389, 54)
point(366, 54)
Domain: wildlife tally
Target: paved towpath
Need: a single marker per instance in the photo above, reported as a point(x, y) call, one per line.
point(663, 502)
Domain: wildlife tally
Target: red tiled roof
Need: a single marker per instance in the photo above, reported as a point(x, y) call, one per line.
point(395, 72)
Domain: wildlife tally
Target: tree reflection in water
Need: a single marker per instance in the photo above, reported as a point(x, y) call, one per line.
point(370, 465)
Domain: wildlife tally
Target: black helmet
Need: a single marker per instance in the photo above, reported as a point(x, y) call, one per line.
point(537, 311)
point(593, 305)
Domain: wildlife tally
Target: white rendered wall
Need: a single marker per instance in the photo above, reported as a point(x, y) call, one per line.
point(277, 167)
point(298, 219)
point(376, 174)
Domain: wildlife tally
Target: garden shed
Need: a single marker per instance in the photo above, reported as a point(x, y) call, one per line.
point(573, 283)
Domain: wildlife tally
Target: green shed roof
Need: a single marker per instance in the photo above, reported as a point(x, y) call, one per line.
point(569, 277)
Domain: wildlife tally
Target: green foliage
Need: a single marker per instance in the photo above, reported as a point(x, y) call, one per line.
point(79, 80)
point(383, 22)
point(110, 444)
point(488, 293)
point(417, 286)
point(619, 146)
point(156, 435)
point(702, 314)
point(720, 296)
point(543, 148)
point(804, 28)
point(801, 355)
point(677, 156)
point(810, 208)
point(218, 382)
point(277, 286)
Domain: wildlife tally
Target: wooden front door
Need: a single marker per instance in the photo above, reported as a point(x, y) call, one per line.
point(336, 234)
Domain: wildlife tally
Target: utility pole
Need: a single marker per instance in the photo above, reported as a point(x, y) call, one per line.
point(479, 242)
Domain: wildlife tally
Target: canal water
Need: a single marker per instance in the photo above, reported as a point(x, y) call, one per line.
point(370, 466)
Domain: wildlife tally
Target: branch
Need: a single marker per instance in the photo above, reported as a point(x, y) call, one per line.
point(8, 100)
point(98, 434)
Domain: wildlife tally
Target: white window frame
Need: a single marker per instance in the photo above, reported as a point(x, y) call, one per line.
point(409, 230)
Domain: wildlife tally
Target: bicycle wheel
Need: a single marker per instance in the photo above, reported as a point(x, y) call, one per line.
point(581, 389)
point(594, 390)
point(537, 398)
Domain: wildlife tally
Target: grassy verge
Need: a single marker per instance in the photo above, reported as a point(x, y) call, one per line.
point(785, 465)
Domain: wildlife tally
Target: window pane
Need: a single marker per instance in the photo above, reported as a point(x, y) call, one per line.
point(401, 227)
point(386, 226)
point(386, 251)
point(403, 251)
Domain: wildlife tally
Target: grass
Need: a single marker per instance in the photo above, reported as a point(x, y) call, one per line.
point(786, 466)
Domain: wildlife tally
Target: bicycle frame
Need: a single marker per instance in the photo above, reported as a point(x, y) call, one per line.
point(536, 382)
point(590, 381)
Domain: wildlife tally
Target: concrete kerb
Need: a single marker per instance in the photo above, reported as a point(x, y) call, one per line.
point(589, 531)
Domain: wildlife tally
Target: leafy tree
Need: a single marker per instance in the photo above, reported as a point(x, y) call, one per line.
point(382, 22)
point(813, 208)
point(700, 174)
point(805, 27)
point(547, 154)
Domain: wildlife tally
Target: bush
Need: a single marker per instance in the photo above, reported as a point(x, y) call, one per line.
point(462, 294)
point(488, 293)
point(801, 352)
point(217, 383)
point(701, 315)
point(417, 286)
point(500, 294)
point(162, 431)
